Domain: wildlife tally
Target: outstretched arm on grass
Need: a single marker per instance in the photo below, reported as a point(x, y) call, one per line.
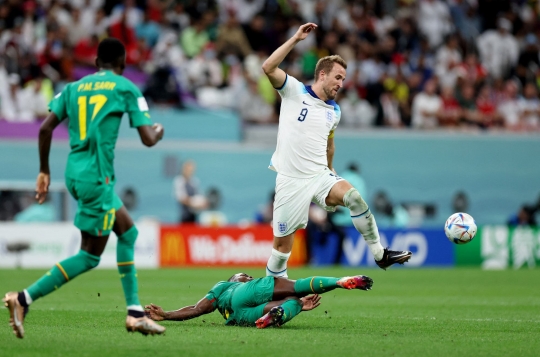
point(156, 313)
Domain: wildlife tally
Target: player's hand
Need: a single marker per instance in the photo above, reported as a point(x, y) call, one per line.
point(158, 128)
point(42, 186)
point(310, 302)
point(154, 312)
point(334, 171)
point(304, 30)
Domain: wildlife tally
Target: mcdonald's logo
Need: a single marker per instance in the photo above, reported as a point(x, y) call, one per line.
point(173, 249)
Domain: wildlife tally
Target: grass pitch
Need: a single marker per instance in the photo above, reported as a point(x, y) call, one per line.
point(455, 312)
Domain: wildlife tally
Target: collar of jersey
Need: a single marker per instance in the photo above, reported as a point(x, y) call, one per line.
point(312, 93)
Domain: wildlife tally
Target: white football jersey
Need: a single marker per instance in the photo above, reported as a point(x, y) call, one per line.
point(305, 122)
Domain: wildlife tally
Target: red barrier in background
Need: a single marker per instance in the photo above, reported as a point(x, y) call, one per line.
point(191, 245)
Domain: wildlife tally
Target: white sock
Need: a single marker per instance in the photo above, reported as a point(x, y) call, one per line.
point(364, 222)
point(28, 297)
point(366, 225)
point(277, 264)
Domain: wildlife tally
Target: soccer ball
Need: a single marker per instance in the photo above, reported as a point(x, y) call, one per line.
point(460, 228)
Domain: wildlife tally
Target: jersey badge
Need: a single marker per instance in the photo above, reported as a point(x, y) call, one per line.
point(282, 226)
point(329, 119)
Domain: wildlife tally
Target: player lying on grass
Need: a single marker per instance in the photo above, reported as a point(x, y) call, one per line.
point(262, 302)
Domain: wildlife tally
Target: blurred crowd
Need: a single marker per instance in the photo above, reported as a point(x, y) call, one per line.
point(411, 63)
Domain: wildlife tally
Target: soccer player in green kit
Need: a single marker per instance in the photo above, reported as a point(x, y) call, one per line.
point(95, 106)
point(263, 302)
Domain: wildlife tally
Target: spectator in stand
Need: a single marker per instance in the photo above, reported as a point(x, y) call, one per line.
point(450, 112)
point(231, 39)
point(389, 113)
point(256, 35)
point(102, 24)
point(195, 37)
point(426, 106)
point(89, 9)
point(128, 9)
point(509, 108)
point(205, 70)
point(499, 49)
point(434, 21)
point(253, 108)
point(406, 36)
point(530, 108)
point(167, 61)
point(23, 105)
point(529, 61)
point(487, 109)
point(125, 33)
point(77, 29)
point(355, 111)
point(471, 70)
point(244, 10)
point(469, 113)
point(448, 59)
point(148, 30)
point(85, 52)
point(178, 18)
point(33, 27)
point(466, 20)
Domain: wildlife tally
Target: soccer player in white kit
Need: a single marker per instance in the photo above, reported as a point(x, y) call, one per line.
point(303, 158)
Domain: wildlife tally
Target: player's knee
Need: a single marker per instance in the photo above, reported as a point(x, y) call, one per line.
point(90, 261)
point(354, 202)
point(130, 236)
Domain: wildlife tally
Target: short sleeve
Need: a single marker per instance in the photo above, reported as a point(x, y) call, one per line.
point(337, 111)
point(291, 87)
point(58, 104)
point(212, 297)
point(137, 108)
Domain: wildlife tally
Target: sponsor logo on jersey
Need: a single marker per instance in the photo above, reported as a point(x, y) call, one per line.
point(282, 227)
point(304, 102)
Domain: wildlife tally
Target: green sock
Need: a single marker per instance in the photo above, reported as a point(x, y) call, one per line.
point(292, 308)
point(315, 285)
point(125, 252)
point(61, 273)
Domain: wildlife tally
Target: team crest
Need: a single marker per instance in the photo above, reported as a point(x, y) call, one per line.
point(282, 226)
point(329, 118)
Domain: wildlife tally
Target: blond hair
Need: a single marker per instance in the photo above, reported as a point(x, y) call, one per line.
point(327, 63)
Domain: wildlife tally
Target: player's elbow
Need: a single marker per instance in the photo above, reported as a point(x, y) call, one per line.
point(267, 68)
point(147, 142)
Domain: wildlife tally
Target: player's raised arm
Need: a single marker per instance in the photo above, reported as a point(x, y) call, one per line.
point(270, 66)
point(156, 313)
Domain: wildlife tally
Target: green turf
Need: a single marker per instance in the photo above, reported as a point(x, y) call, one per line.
point(455, 312)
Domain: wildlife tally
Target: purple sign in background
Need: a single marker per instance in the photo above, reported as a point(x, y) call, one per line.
point(29, 130)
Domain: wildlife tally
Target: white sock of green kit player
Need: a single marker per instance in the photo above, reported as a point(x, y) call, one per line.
point(364, 222)
point(277, 264)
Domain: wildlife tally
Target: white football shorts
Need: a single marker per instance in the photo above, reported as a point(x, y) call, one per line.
point(293, 197)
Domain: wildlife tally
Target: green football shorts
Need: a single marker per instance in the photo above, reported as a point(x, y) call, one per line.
point(249, 299)
point(97, 206)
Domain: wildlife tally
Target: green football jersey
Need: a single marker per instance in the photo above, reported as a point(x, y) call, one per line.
point(95, 105)
point(221, 295)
